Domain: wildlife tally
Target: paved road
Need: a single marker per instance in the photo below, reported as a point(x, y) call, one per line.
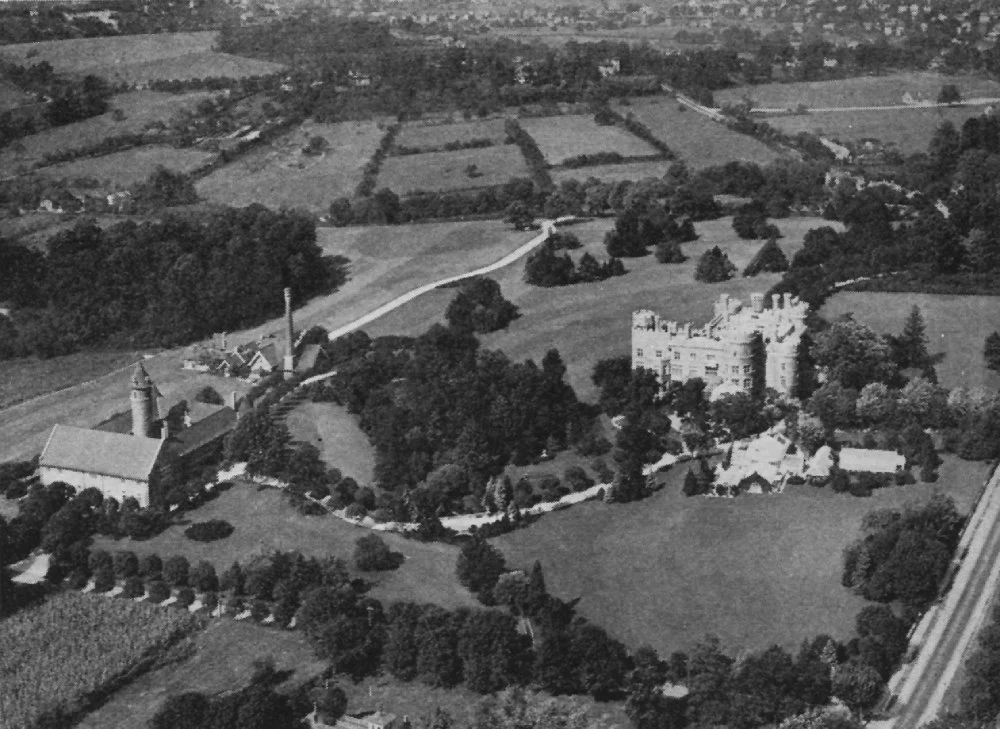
point(953, 630)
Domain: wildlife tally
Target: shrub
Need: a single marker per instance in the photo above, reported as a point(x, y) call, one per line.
point(714, 266)
point(355, 511)
point(209, 531)
point(185, 596)
point(259, 610)
point(134, 587)
point(77, 580)
point(126, 564)
point(158, 591)
point(104, 580)
point(203, 577)
point(372, 554)
point(150, 564)
point(310, 508)
point(577, 479)
point(211, 600)
point(175, 571)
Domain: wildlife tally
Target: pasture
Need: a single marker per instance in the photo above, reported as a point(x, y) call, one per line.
point(335, 432)
point(428, 137)
point(139, 58)
point(122, 170)
point(141, 109)
point(910, 129)
point(280, 174)
point(264, 521)
point(634, 171)
point(755, 571)
point(698, 141)
point(957, 327)
point(12, 96)
point(591, 322)
point(885, 90)
point(457, 170)
point(25, 378)
point(221, 659)
point(562, 137)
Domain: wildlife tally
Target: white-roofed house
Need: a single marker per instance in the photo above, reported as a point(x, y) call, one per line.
point(870, 460)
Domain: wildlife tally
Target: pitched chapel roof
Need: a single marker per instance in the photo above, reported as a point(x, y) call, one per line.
point(98, 451)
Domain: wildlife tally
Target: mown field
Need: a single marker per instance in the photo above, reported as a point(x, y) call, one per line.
point(279, 174)
point(755, 571)
point(590, 322)
point(130, 167)
point(696, 140)
point(957, 327)
point(451, 170)
point(562, 137)
point(59, 654)
point(859, 91)
point(634, 171)
point(24, 378)
point(221, 659)
point(141, 108)
point(335, 432)
point(421, 135)
point(264, 521)
point(909, 129)
point(137, 58)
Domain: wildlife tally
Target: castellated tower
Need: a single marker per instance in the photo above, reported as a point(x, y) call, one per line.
point(142, 402)
point(720, 353)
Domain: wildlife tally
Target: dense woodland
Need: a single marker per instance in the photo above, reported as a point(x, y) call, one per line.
point(158, 283)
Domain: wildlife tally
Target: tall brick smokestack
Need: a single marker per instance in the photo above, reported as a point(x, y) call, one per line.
point(289, 364)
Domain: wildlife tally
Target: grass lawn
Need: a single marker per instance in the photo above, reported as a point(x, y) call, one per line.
point(698, 142)
point(133, 58)
point(450, 170)
point(221, 660)
point(909, 129)
point(421, 135)
point(264, 521)
point(957, 327)
point(128, 168)
point(25, 378)
point(141, 108)
point(280, 175)
point(860, 91)
point(754, 571)
point(590, 322)
point(634, 171)
point(335, 432)
point(562, 137)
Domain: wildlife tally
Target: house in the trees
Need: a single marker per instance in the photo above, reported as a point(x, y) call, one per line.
point(820, 465)
point(265, 361)
point(136, 453)
point(366, 720)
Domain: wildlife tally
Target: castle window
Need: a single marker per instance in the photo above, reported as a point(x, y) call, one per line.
point(746, 369)
point(677, 355)
point(712, 370)
point(782, 365)
point(710, 356)
point(638, 353)
point(746, 383)
point(736, 382)
point(659, 353)
point(693, 355)
point(736, 370)
point(783, 383)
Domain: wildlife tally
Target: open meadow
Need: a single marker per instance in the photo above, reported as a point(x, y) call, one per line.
point(264, 521)
point(458, 170)
point(562, 137)
point(61, 654)
point(280, 174)
point(696, 140)
point(141, 108)
point(125, 169)
point(336, 434)
point(591, 322)
point(25, 378)
point(139, 58)
point(424, 136)
point(909, 129)
point(755, 570)
point(634, 171)
point(11, 96)
point(221, 659)
point(957, 327)
point(887, 90)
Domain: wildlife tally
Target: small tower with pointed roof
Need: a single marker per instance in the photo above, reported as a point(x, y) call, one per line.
point(142, 402)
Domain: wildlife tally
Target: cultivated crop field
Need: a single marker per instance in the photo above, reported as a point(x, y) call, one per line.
point(698, 141)
point(221, 659)
point(562, 137)
point(451, 170)
point(421, 135)
point(590, 322)
point(957, 327)
point(130, 167)
point(264, 521)
point(58, 653)
point(135, 58)
point(634, 171)
point(885, 90)
point(279, 174)
point(141, 108)
point(756, 571)
point(909, 129)
point(336, 433)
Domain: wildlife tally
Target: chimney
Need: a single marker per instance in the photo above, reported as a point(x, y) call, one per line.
point(164, 429)
point(757, 302)
point(233, 401)
point(224, 340)
point(289, 364)
point(776, 301)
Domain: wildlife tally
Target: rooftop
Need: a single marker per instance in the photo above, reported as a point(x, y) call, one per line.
point(98, 451)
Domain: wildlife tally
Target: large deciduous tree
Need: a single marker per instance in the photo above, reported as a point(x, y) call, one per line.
point(853, 354)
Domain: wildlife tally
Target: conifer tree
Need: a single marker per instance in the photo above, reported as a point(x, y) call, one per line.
point(913, 340)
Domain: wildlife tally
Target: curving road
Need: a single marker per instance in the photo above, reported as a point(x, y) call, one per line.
point(958, 618)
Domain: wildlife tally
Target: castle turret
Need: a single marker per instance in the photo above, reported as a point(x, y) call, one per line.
point(142, 402)
point(757, 302)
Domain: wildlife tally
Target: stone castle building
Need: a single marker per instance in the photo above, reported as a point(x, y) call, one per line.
point(720, 352)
